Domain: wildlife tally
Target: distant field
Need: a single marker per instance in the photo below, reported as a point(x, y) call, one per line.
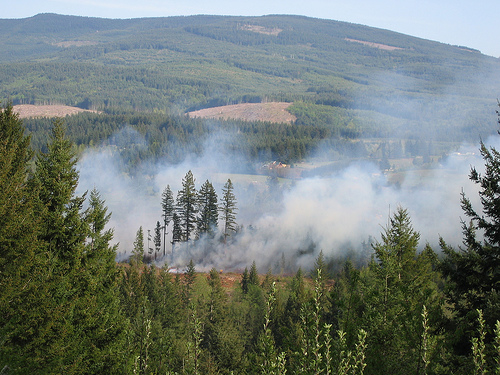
point(29, 110)
point(271, 112)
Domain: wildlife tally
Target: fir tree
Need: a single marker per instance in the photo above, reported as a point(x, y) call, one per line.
point(168, 209)
point(228, 209)
point(138, 251)
point(209, 215)
point(23, 267)
point(63, 235)
point(98, 217)
point(190, 278)
point(186, 206)
point(472, 271)
point(157, 238)
point(18, 227)
point(70, 331)
point(402, 283)
point(176, 232)
point(253, 277)
point(98, 287)
point(63, 229)
point(245, 281)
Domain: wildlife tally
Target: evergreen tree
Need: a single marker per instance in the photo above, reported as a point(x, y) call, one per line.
point(63, 230)
point(23, 267)
point(289, 332)
point(168, 209)
point(400, 284)
point(63, 235)
point(245, 281)
point(186, 206)
point(472, 271)
point(253, 277)
point(209, 215)
point(69, 330)
point(189, 279)
point(18, 227)
point(228, 209)
point(320, 267)
point(176, 232)
point(138, 251)
point(98, 286)
point(157, 238)
point(347, 301)
point(220, 337)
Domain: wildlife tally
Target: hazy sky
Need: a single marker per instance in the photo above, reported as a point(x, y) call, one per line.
point(460, 22)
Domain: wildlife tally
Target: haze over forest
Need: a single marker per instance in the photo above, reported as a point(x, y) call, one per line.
point(357, 166)
point(382, 119)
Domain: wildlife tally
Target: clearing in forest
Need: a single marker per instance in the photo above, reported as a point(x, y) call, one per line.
point(270, 112)
point(30, 110)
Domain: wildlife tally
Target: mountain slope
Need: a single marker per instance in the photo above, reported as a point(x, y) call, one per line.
point(179, 64)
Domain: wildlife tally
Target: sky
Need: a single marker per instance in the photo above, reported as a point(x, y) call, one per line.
point(467, 23)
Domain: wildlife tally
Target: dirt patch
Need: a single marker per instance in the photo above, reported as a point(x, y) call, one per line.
point(374, 45)
point(262, 30)
point(75, 43)
point(270, 112)
point(30, 110)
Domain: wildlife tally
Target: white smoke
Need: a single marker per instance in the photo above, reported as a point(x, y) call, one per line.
point(334, 213)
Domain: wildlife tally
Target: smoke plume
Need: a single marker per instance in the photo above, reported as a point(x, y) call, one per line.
point(285, 225)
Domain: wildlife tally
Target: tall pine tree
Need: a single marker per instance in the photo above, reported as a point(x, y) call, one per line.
point(23, 267)
point(83, 327)
point(473, 271)
point(187, 206)
point(209, 215)
point(228, 209)
point(168, 209)
point(401, 283)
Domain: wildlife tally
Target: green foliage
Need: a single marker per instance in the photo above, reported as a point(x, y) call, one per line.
point(157, 238)
point(208, 208)
point(478, 347)
point(138, 251)
point(66, 307)
point(168, 209)
point(472, 271)
point(23, 279)
point(245, 281)
point(186, 206)
point(228, 209)
point(179, 64)
point(69, 318)
point(190, 277)
point(272, 363)
point(253, 276)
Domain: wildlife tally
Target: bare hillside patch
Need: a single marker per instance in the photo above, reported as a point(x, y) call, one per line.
point(262, 30)
point(76, 43)
point(374, 45)
point(270, 112)
point(30, 110)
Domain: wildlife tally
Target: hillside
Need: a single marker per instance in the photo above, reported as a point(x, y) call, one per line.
point(381, 83)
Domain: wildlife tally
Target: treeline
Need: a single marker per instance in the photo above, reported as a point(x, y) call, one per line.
point(138, 137)
point(67, 307)
point(141, 137)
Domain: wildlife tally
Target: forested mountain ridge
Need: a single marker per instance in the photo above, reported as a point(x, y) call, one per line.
point(388, 81)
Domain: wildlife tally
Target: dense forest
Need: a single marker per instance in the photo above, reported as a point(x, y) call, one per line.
point(410, 88)
point(68, 307)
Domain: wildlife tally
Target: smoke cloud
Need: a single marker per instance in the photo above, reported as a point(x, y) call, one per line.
point(287, 225)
